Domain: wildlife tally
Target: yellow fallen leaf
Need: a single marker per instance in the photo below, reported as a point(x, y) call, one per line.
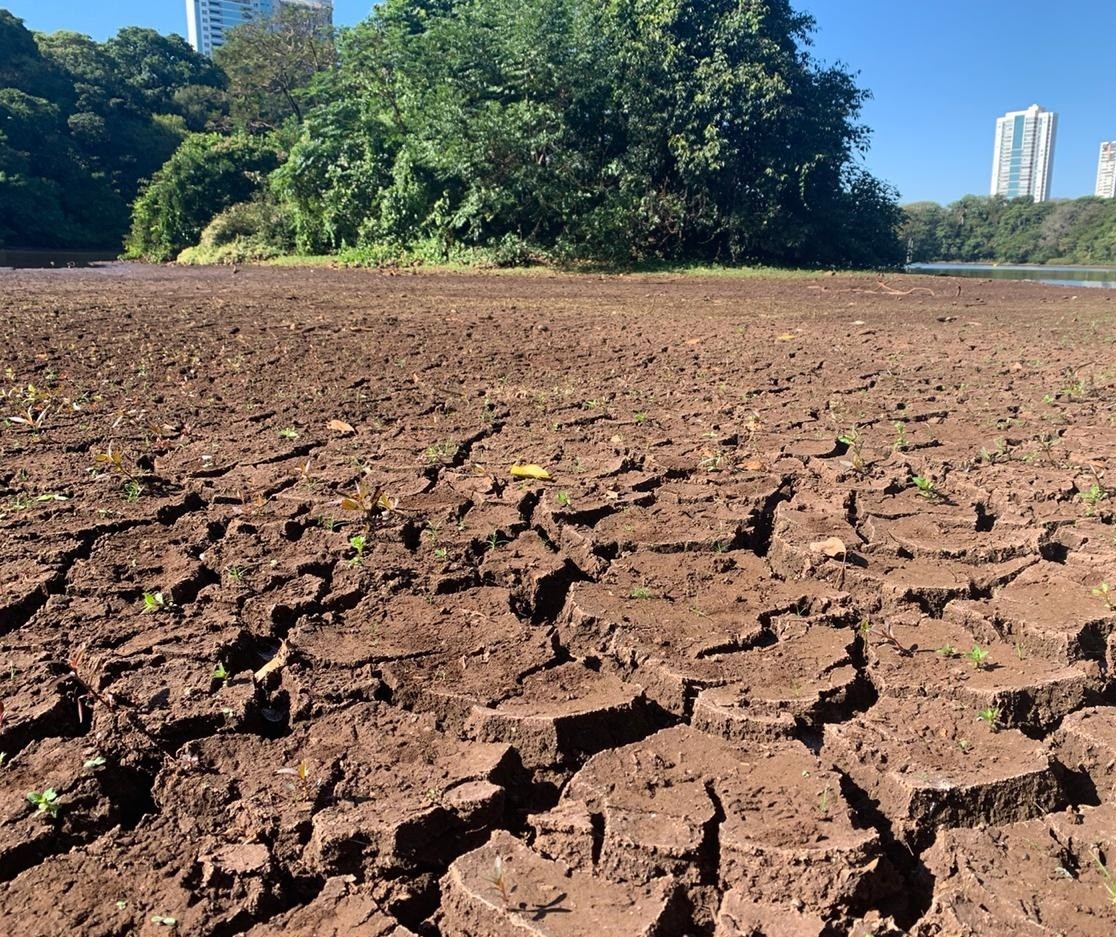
point(341, 427)
point(787, 337)
point(530, 471)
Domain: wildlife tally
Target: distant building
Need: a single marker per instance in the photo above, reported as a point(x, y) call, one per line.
point(1024, 154)
point(1106, 170)
point(208, 21)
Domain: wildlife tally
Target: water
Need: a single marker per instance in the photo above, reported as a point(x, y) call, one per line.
point(52, 258)
point(1103, 277)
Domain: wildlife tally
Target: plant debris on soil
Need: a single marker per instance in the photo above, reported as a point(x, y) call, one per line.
point(341, 602)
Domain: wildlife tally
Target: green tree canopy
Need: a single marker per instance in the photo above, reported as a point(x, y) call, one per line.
point(271, 63)
point(622, 129)
point(206, 175)
point(84, 123)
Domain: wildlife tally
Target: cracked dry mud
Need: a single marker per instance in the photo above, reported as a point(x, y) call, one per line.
point(717, 678)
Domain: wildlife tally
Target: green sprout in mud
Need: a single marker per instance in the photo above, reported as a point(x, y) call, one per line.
point(495, 541)
point(823, 802)
point(964, 745)
point(851, 439)
point(45, 802)
point(864, 628)
point(288, 432)
point(327, 523)
point(947, 651)
point(131, 490)
point(926, 487)
point(357, 542)
point(1095, 494)
point(1109, 879)
point(640, 417)
point(563, 499)
point(235, 573)
point(991, 715)
point(443, 451)
point(977, 656)
point(219, 672)
point(153, 602)
point(900, 443)
point(1104, 592)
point(640, 592)
point(441, 553)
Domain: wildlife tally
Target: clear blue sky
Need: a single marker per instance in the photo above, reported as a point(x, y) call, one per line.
point(941, 71)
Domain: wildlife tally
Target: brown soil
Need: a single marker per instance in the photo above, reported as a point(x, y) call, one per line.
point(725, 674)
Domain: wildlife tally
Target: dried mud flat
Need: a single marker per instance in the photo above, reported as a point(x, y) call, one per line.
point(716, 677)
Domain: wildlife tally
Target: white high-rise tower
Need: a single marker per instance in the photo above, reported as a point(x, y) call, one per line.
point(207, 21)
point(1024, 154)
point(1106, 170)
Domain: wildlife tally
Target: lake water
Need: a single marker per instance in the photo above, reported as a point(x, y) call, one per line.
point(49, 258)
point(1104, 277)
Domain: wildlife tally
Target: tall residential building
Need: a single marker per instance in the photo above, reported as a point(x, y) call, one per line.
point(207, 21)
point(1106, 170)
point(1024, 155)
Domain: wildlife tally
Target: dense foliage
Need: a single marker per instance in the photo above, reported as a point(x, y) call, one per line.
point(271, 64)
point(207, 174)
point(619, 130)
point(1080, 231)
point(83, 123)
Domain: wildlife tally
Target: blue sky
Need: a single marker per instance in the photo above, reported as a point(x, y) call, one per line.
point(940, 72)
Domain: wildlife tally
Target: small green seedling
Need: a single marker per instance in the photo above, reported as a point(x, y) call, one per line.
point(563, 499)
point(153, 602)
point(1109, 879)
point(864, 628)
point(495, 541)
point(97, 761)
point(164, 920)
point(900, 443)
point(823, 802)
point(444, 451)
point(977, 656)
point(640, 417)
point(288, 432)
point(964, 744)
point(235, 573)
point(855, 446)
point(925, 486)
point(219, 672)
point(357, 542)
point(991, 715)
point(46, 802)
point(1105, 593)
point(947, 651)
point(640, 592)
point(131, 491)
point(441, 553)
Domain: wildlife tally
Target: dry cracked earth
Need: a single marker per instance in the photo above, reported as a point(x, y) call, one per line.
point(808, 634)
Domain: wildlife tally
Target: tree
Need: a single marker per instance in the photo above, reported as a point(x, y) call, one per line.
point(206, 174)
point(271, 63)
point(84, 124)
point(157, 69)
point(622, 130)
